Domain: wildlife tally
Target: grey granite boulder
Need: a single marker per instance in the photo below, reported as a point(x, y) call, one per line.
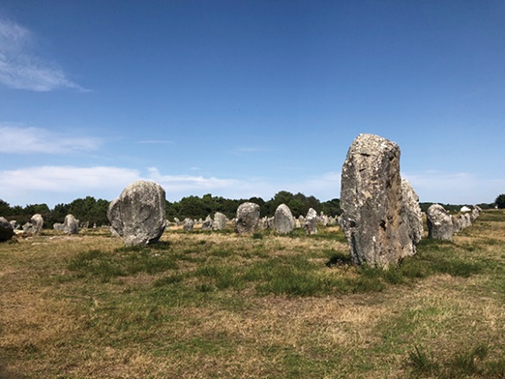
point(140, 213)
point(247, 218)
point(374, 215)
point(439, 223)
point(37, 222)
point(114, 216)
point(284, 222)
point(412, 217)
point(310, 222)
point(188, 224)
point(70, 225)
point(6, 231)
point(207, 223)
point(220, 221)
point(58, 226)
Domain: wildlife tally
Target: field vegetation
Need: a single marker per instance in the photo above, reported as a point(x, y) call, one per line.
point(214, 304)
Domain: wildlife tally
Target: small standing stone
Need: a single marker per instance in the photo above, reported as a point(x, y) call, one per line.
point(439, 223)
point(70, 225)
point(188, 224)
point(6, 231)
point(283, 220)
point(220, 221)
point(248, 215)
point(310, 222)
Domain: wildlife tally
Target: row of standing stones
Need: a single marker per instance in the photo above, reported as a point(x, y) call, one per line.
point(381, 218)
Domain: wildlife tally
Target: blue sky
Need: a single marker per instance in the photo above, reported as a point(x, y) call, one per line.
point(247, 98)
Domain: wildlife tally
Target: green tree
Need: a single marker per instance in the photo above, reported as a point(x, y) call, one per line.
point(500, 201)
point(5, 208)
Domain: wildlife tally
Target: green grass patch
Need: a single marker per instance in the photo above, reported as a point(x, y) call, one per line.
point(468, 363)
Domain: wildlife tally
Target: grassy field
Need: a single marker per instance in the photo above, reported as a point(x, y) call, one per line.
point(218, 305)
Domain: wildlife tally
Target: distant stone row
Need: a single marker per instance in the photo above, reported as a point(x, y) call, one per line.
point(442, 225)
point(138, 216)
point(10, 228)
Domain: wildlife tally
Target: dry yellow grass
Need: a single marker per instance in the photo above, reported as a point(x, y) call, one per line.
point(54, 324)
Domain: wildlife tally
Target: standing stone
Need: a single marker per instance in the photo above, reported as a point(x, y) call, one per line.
point(371, 200)
point(310, 222)
point(297, 223)
point(188, 224)
point(58, 226)
point(207, 223)
point(114, 216)
point(456, 224)
point(70, 225)
point(248, 215)
point(141, 212)
point(37, 222)
point(412, 217)
point(439, 223)
point(263, 223)
point(474, 215)
point(14, 224)
point(220, 221)
point(6, 230)
point(177, 221)
point(283, 220)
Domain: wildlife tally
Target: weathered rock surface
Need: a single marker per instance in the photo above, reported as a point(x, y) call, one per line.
point(412, 217)
point(70, 225)
point(6, 231)
point(188, 224)
point(207, 223)
point(374, 215)
point(283, 220)
point(439, 223)
point(37, 222)
point(58, 226)
point(220, 221)
point(114, 216)
point(310, 222)
point(139, 213)
point(247, 218)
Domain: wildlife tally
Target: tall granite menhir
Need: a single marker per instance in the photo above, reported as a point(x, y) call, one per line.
point(138, 215)
point(380, 228)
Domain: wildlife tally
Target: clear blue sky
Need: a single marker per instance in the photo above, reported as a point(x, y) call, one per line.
point(247, 98)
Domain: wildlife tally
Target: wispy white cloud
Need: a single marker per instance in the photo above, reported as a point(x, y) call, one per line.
point(62, 184)
point(29, 140)
point(22, 68)
point(59, 184)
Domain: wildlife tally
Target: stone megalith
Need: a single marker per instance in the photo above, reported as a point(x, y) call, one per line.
point(220, 221)
point(6, 230)
point(207, 223)
point(188, 224)
point(412, 217)
point(114, 216)
point(439, 223)
point(374, 214)
point(248, 215)
point(310, 222)
point(70, 225)
point(37, 222)
point(139, 213)
point(284, 222)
